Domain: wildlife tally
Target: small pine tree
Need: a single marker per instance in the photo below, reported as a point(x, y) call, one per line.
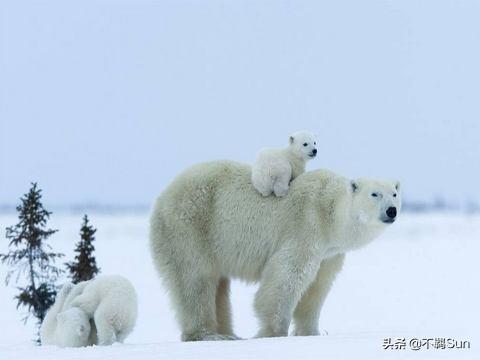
point(29, 256)
point(84, 267)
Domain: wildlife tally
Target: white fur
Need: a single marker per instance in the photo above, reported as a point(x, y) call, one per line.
point(105, 307)
point(73, 328)
point(275, 168)
point(112, 303)
point(211, 225)
point(65, 327)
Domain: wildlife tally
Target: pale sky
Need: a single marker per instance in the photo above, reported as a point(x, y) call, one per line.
point(106, 101)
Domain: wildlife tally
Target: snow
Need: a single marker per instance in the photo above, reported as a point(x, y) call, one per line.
point(418, 280)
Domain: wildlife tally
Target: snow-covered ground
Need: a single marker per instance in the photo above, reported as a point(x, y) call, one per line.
point(419, 280)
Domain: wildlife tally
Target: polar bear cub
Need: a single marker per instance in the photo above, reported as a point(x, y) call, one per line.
point(99, 311)
point(65, 328)
point(275, 168)
point(112, 303)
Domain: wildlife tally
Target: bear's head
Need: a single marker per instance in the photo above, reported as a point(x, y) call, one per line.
point(303, 144)
point(73, 328)
point(376, 202)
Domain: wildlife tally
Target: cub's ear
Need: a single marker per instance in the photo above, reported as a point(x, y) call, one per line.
point(397, 185)
point(290, 140)
point(354, 185)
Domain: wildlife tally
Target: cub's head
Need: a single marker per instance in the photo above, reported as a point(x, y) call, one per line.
point(303, 144)
point(73, 328)
point(376, 202)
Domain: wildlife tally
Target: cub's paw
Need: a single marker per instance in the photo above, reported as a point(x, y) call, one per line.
point(281, 192)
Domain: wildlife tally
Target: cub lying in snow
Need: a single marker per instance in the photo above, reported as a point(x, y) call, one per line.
point(275, 168)
point(99, 311)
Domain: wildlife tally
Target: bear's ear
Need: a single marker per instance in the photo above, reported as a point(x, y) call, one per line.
point(354, 185)
point(397, 185)
point(290, 140)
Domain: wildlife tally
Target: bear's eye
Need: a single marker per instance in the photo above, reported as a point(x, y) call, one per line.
point(314, 143)
point(374, 194)
point(305, 144)
point(395, 195)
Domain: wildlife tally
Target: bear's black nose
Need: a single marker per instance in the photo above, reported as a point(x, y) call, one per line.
point(392, 212)
point(314, 151)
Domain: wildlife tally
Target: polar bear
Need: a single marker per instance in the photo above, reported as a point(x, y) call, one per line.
point(68, 327)
point(210, 225)
point(275, 168)
point(112, 303)
point(94, 312)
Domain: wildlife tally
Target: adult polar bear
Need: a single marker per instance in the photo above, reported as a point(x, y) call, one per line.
point(211, 224)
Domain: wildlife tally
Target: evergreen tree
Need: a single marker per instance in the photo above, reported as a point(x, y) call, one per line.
point(30, 257)
point(84, 267)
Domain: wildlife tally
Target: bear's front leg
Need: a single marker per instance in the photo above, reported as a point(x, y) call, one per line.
point(285, 277)
point(307, 312)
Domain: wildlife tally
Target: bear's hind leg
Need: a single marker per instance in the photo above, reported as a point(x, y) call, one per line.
point(105, 330)
point(224, 309)
point(281, 184)
point(262, 181)
point(196, 303)
point(193, 293)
